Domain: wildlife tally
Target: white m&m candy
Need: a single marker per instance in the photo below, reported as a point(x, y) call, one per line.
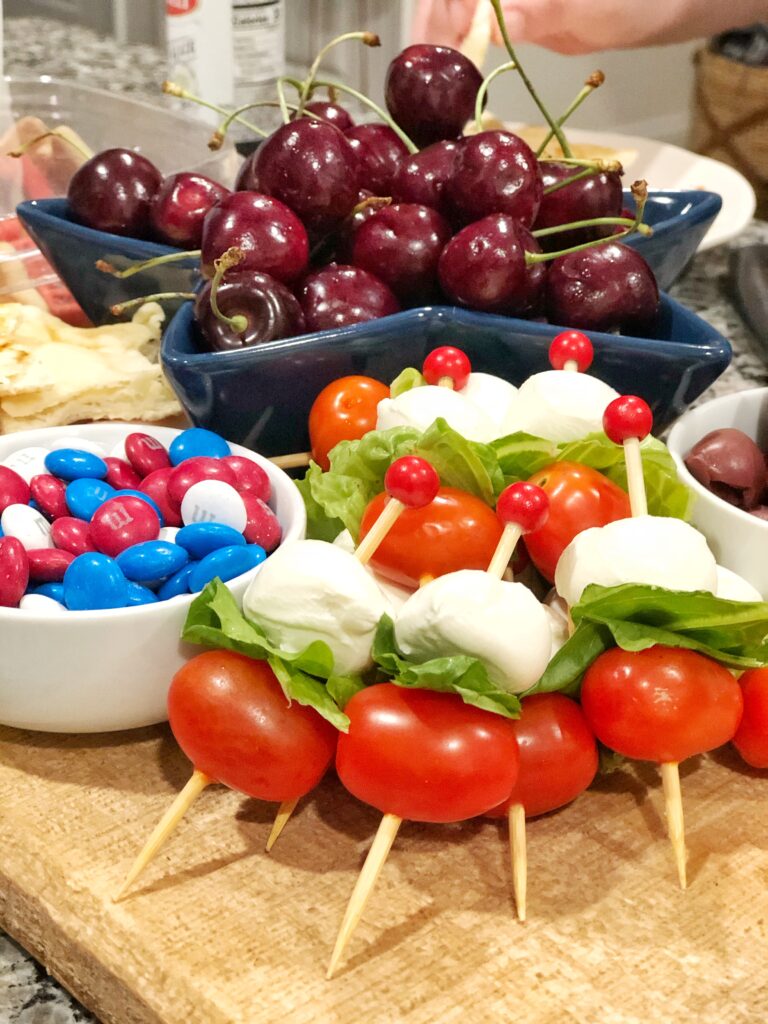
point(27, 462)
point(27, 526)
point(213, 501)
point(79, 444)
point(41, 603)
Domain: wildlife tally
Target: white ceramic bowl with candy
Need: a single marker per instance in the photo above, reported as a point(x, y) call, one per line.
point(108, 669)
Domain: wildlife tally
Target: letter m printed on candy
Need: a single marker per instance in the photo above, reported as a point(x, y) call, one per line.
point(117, 517)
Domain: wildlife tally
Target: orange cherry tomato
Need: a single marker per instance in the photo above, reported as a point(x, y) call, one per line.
point(455, 531)
point(345, 410)
point(579, 498)
point(751, 739)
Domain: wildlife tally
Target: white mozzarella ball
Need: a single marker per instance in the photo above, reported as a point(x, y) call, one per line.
point(27, 462)
point(213, 501)
point(395, 594)
point(27, 526)
point(41, 603)
point(311, 590)
point(562, 406)
point(496, 398)
point(559, 620)
point(80, 445)
point(733, 587)
point(472, 612)
point(654, 550)
point(420, 407)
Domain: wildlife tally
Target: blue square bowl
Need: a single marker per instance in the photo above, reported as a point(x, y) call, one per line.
point(260, 397)
point(679, 219)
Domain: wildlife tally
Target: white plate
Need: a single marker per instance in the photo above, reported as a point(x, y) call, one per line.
point(671, 167)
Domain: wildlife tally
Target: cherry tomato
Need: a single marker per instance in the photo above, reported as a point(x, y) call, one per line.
point(425, 756)
point(343, 411)
point(232, 720)
point(579, 497)
point(662, 704)
point(455, 531)
point(558, 754)
point(751, 739)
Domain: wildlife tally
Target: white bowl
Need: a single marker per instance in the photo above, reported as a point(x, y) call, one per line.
point(738, 540)
point(99, 671)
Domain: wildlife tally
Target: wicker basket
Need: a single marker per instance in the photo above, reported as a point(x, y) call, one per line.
point(730, 118)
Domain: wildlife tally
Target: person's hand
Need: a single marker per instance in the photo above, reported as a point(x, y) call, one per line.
point(442, 22)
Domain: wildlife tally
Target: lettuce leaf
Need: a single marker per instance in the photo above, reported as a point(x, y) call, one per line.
point(215, 620)
point(405, 381)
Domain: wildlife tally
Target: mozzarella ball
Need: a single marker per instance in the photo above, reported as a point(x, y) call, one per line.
point(310, 590)
point(654, 550)
point(472, 612)
point(420, 407)
point(733, 587)
point(496, 398)
point(395, 595)
point(562, 406)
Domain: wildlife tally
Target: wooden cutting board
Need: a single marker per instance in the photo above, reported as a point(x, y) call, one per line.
point(219, 932)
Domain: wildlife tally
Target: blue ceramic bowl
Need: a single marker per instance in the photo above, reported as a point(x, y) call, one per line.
point(73, 249)
point(260, 397)
point(679, 220)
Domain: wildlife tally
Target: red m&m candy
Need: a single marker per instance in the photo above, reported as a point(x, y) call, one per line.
point(14, 571)
point(121, 475)
point(155, 486)
point(14, 490)
point(192, 471)
point(263, 527)
point(146, 454)
point(72, 535)
point(249, 476)
point(122, 522)
point(48, 565)
point(50, 493)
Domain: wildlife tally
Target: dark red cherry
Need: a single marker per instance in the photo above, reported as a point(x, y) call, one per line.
point(332, 112)
point(495, 172)
point(271, 237)
point(310, 166)
point(246, 180)
point(401, 245)
point(422, 177)
point(271, 309)
point(368, 206)
point(609, 287)
point(113, 192)
point(597, 195)
point(338, 295)
point(179, 208)
point(431, 91)
point(379, 151)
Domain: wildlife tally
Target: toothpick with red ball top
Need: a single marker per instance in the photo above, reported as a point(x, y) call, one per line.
point(571, 350)
point(447, 367)
point(626, 421)
point(410, 482)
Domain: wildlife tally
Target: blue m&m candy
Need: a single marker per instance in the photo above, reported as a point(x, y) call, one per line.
point(85, 495)
point(72, 464)
point(152, 561)
point(200, 539)
point(94, 581)
point(178, 584)
point(53, 590)
point(197, 441)
point(226, 563)
point(139, 595)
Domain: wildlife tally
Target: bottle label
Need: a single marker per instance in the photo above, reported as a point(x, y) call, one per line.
point(258, 30)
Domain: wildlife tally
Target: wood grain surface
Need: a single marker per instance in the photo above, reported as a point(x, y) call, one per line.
point(219, 932)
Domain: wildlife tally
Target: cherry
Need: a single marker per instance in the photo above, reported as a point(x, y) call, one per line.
point(447, 364)
point(571, 347)
point(495, 172)
point(269, 235)
point(179, 208)
point(337, 115)
point(422, 177)
point(596, 195)
point(246, 180)
point(113, 191)
point(523, 504)
point(627, 416)
point(340, 295)
point(401, 245)
point(379, 152)
point(368, 206)
point(412, 481)
point(431, 91)
point(311, 166)
point(609, 287)
point(269, 307)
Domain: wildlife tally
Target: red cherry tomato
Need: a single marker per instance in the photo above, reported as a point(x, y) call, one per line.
point(412, 480)
point(425, 756)
point(662, 704)
point(751, 739)
point(455, 531)
point(579, 497)
point(230, 717)
point(345, 410)
point(627, 416)
point(558, 754)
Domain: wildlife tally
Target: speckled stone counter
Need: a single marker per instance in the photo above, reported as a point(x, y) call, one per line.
point(35, 45)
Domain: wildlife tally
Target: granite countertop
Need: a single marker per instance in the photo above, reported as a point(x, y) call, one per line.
point(35, 45)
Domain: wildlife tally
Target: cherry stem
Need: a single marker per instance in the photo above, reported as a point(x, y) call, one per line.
point(216, 140)
point(280, 86)
point(225, 262)
point(136, 268)
point(122, 307)
point(594, 81)
point(172, 89)
point(56, 133)
point(595, 222)
point(306, 87)
point(556, 129)
point(585, 172)
point(482, 92)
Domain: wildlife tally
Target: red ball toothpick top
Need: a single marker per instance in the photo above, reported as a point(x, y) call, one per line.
point(524, 504)
point(571, 346)
point(627, 416)
point(447, 361)
point(412, 481)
